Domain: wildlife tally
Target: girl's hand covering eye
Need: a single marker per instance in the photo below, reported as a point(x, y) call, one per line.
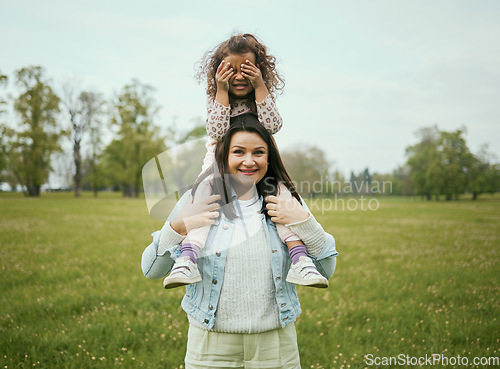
point(252, 73)
point(222, 76)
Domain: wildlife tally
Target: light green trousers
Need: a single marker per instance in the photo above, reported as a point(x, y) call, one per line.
point(276, 349)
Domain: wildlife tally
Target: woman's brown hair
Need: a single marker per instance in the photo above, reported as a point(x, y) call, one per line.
point(269, 185)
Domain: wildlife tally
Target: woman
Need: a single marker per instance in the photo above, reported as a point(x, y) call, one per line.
point(241, 314)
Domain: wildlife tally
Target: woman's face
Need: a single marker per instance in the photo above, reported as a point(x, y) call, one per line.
point(248, 156)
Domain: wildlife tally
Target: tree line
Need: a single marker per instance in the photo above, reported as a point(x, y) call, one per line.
point(440, 164)
point(45, 120)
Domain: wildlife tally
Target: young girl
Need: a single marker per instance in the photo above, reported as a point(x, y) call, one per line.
point(241, 78)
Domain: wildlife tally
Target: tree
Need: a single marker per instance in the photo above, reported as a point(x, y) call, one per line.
point(138, 139)
point(3, 83)
point(453, 160)
point(3, 133)
point(92, 108)
point(442, 164)
point(420, 156)
point(402, 184)
point(483, 175)
point(83, 111)
point(308, 167)
point(198, 131)
point(77, 129)
point(32, 146)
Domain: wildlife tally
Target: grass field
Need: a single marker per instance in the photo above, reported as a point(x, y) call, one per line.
point(413, 278)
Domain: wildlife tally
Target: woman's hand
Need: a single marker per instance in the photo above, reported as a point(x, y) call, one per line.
point(222, 76)
point(285, 211)
point(195, 215)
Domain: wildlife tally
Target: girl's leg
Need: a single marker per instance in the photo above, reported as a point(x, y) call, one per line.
point(185, 271)
point(210, 155)
point(295, 245)
point(303, 271)
point(190, 250)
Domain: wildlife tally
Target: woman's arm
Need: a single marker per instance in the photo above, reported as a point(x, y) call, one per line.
point(156, 260)
point(157, 257)
point(319, 244)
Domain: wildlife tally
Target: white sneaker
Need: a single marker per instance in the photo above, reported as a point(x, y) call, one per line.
point(305, 273)
point(184, 272)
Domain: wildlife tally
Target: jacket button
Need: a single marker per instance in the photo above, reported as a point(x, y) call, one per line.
point(214, 281)
point(217, 253)
point(225, 226)
point(283, 305)
point(273, 251)
point(206, 321)
point(210, 307)
point(278, 278)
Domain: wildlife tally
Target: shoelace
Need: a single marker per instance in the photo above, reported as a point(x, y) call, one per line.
point(180, 269)
point(308, 272)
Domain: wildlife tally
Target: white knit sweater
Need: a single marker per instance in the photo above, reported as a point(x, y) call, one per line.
point(247, 302)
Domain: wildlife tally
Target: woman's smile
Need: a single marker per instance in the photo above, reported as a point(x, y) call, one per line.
point(247, 160)
point(248, 172)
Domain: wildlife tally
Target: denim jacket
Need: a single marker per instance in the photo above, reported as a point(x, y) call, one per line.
point(200, 300)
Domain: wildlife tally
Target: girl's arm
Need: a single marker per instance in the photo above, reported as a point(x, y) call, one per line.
point(222, 75)
point(268, 115)
point(218, 117)
point(266, 107)
point(218, 110)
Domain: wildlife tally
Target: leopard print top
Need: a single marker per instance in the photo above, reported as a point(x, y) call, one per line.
point(218, 116)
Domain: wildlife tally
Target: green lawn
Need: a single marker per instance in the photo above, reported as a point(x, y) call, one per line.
point(413, 278)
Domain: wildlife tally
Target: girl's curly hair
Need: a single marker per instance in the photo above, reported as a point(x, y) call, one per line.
point(239, 44)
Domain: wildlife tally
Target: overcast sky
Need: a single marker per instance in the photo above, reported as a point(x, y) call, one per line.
point(361, 76)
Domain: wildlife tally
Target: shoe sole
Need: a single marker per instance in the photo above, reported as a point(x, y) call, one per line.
point(316, 283)
point(178, 282)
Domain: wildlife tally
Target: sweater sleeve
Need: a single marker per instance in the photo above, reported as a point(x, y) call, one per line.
point(311, 233)
point(168, 239)
point(158, 258)
point(217, 122)
point(320, 245)
point(268, 115)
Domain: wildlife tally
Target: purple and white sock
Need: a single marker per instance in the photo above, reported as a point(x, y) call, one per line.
point(191, 250)
point(296, 252)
